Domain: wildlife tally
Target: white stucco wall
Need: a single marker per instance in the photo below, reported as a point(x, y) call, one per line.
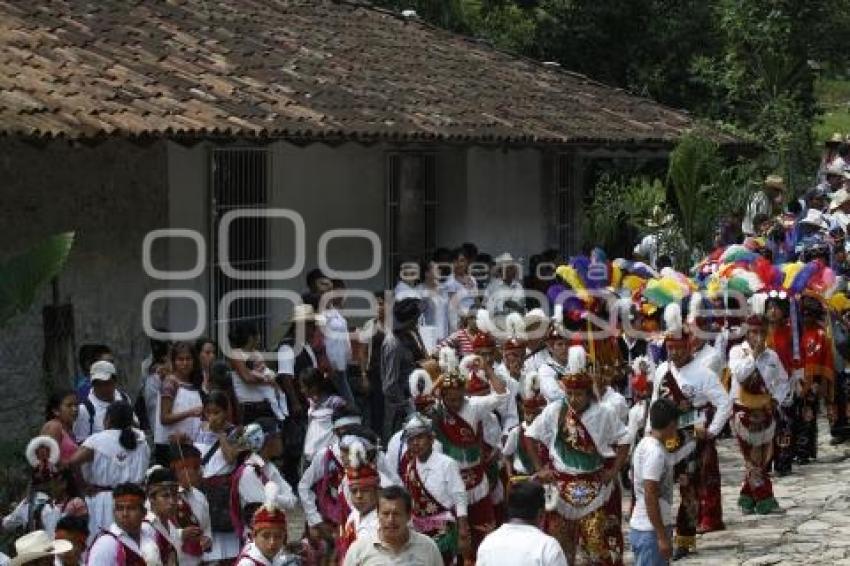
point(502, 203)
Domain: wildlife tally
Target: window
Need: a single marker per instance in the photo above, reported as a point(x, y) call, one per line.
point(411, 209)
point(567, 219)
point(239, 179)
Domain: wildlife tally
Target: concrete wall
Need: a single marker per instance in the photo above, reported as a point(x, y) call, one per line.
point(111, 194)
point(493, 198)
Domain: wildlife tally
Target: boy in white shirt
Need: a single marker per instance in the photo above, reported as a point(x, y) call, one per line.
point(651, 525)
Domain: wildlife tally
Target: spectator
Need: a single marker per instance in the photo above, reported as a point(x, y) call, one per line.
point(401, 353)
point(461, 289)
point(651, 524)
point(505, 292)
point(396, 543)
point(520, 542)
point(207, 354)
point(337, 340)
point(104, 392)
point(89, 354)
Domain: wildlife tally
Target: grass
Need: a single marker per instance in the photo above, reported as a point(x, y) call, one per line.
point(834, 96)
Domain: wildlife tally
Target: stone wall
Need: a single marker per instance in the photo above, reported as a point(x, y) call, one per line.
point(111, 194)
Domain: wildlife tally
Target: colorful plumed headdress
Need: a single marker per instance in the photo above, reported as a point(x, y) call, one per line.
point(643, 373)
point(269, 515)
point(675, 331)
point(515, 327)
point(450, 376)
point(42, 454)
point(671, 287)
point(532, 399)
point(360, 471)
point(577, 376)
point(421, 389)
point(474, 376)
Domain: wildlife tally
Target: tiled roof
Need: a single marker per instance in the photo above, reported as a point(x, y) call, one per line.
point(313, 69)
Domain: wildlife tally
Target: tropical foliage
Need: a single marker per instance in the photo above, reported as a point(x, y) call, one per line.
point(22, 275)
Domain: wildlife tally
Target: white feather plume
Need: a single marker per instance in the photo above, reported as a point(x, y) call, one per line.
point(551, 496)
point(466, 365)
point(673, 318)
point(448, 359)
point(558, 314)
point(357, 454)
point(757, 303)
point(38, 442)
point(694, 306)
point(483, 322)
point(530, 385)
point(271, 491)
point(515, 325)
point(420, 383)
point(576, 360)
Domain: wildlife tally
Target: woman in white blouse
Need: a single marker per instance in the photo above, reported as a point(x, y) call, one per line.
point(116, 455)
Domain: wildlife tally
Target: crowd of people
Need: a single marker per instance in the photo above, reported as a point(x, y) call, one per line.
point(478, 417)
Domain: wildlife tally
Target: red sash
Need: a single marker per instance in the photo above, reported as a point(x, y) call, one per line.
point(125, 556)
point(424, 504)
point(457, 435)
point(186, 518)
point(167, 552)
point(329, 497)
point(670, 389)
point(235, 502)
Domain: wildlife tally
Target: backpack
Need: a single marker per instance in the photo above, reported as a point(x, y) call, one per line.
point(90, 408)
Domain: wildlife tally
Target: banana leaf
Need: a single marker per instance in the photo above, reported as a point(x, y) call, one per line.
point(22, 275)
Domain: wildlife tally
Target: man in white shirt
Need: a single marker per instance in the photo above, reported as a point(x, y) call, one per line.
point(505, 289)
point(519, 542)
point(338, 340)
point(651, 525)
point(460, 289)
point(128, 540)
point(104, 378)
point(436, 489)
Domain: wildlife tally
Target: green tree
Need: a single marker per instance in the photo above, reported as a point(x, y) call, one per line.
point(23, 275)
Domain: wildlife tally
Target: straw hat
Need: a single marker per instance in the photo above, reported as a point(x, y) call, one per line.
point(38, 544)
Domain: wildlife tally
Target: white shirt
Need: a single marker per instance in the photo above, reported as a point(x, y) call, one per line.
point(252, 487)
point(397, 447)
point(112, 464)
point(434, 322)
point(515, 544)
point(105, 548)
point(498, 293)
point(249, 392)
point(534, 361)
point(617, 402)
point(742, 364)
point(701, 386)
point(461, 295)
point(549, 376)
point(510, 449)
point(637, 416)
point(252, 551)
point(337, 343)
point(364, 525)
point(441, 476)
point(710, 357)
point(650, 462)
point(82, 430)
point(601, 422)
point(201, 510)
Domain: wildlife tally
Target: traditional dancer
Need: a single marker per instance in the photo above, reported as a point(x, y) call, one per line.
point(363, 481)
point(588, 445)
point(438, 492)
point(759, 383)
point(458, 426)
point(704, 408)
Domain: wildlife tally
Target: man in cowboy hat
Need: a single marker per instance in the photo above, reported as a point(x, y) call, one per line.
point(839, 208)
point(767, 201)
point(505, 292)
point(39, 548)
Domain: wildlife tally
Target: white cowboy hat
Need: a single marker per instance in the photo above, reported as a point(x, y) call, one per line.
point(504, 258)
point(305, 313)
point(839, 198)
point(38, 544)
point(815, 218)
